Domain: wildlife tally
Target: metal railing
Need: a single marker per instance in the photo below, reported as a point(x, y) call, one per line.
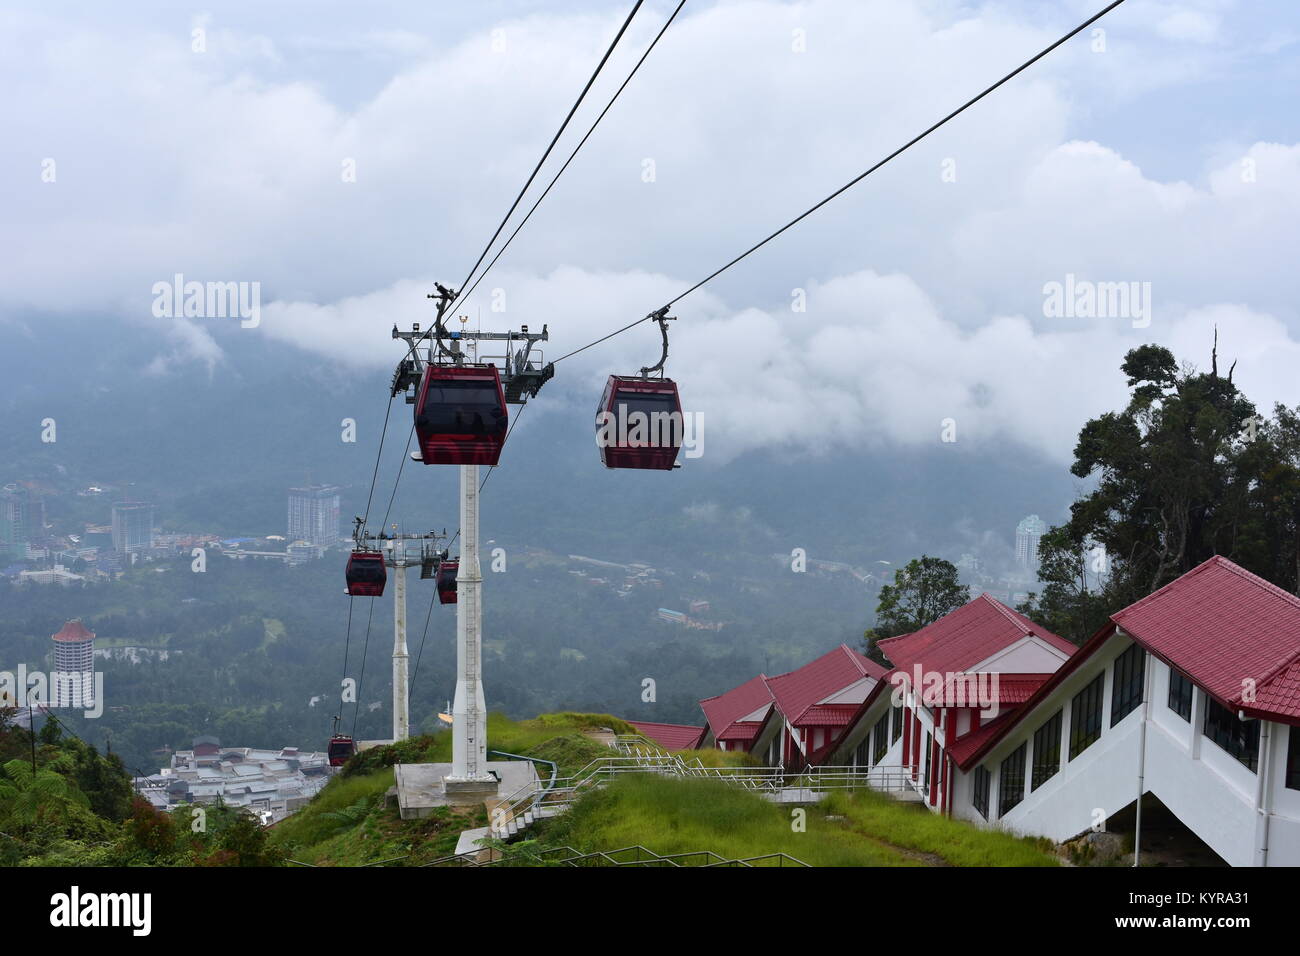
point(635, 855)
point(640, 755)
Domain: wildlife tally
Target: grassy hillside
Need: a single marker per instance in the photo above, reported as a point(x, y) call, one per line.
point(669, 815)
point(348, 824)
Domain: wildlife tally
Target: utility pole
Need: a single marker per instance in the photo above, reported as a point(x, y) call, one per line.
point(401, 686)
point(469, 712)
point(523, 372)
point(394, 547)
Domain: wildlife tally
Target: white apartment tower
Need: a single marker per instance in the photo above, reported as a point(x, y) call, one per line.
point(314, 515)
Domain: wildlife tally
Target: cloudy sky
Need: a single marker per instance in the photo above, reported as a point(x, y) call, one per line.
point(345, 156)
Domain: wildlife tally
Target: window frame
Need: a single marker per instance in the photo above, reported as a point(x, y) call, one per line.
point(981, 780)
point(1180, 686)
point(1047, 740)
point(1291, 778)
point(1242, 747)
point(1095, 688)
point(880, 739)
point(1128, 674)
point(1015, 762)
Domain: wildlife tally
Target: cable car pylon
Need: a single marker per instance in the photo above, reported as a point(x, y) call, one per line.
point(395, 551)
point(460, 419)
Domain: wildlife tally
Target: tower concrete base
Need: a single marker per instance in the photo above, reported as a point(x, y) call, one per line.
point(463, 792)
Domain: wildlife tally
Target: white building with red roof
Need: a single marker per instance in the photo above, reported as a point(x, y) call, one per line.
point(783, 720)
point(736, 719)
point(1191, 695)
point(74, 661)
point(670, 736)
point(971, 667)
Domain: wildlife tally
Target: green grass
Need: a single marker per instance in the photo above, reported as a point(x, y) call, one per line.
point(347, 823)
point(673, 815)
point(669, 815)
point(912, 826)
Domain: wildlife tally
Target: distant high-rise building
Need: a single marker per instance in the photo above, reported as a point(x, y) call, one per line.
point(1028, 533)
point(74, 660)
point(14, 522)
point(132, 527)
point(314, 515)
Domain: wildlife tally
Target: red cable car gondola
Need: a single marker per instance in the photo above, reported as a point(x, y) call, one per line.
point(460, 415)
point(341, 749)
point(446, 582)
point(366, 574)
point(639, 420)
point(642, 423)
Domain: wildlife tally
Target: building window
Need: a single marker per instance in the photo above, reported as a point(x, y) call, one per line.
point(1238, 737)
point(1085, 717)
point(895, 724)
point(981, 799)
point(1047, 752)
point(1293, 758)
point(880, 739)
point(1180, 694)
point(862, 754)
point(925, 780)
point(1011, 781)
point(1126, 693)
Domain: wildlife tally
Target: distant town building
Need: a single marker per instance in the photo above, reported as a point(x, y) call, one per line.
point(1029, 533)
point(55, 575)
point(14, 523)
point(314, 515)
point(271, 784)
point(132, 527)
point(74, 658)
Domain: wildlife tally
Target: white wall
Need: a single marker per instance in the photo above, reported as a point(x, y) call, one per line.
point(1211, 792)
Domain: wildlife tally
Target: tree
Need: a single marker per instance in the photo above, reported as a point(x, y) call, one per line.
point(924, 590)
point(1186, 471)
point(44, 795)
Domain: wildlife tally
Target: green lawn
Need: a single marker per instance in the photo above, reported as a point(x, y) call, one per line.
point(671, 815)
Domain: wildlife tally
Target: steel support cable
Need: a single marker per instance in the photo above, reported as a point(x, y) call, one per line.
point(861, 176)
point(468, 292)
point(538, 168)
point(364, 651)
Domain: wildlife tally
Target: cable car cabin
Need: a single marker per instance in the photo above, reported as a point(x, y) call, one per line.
point(446, 582)
point(341, 749)
point(639, 423)
point(366, 574)
point(460, 415)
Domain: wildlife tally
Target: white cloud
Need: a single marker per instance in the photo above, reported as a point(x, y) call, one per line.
point(924, 295)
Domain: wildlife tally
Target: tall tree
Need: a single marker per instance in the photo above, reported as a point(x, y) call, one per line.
point(1186, 471)
point(924, 590)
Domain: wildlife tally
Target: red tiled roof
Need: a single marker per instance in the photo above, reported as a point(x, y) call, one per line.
point(742, 730)
point(74, 632)
point(670, 736)
point(1215, 620)
point(1226, 629)
point(963, 638)
point(829, 715)
point(963, 747)
point(797, 691)
point(726, 709)
point(1018, 688)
